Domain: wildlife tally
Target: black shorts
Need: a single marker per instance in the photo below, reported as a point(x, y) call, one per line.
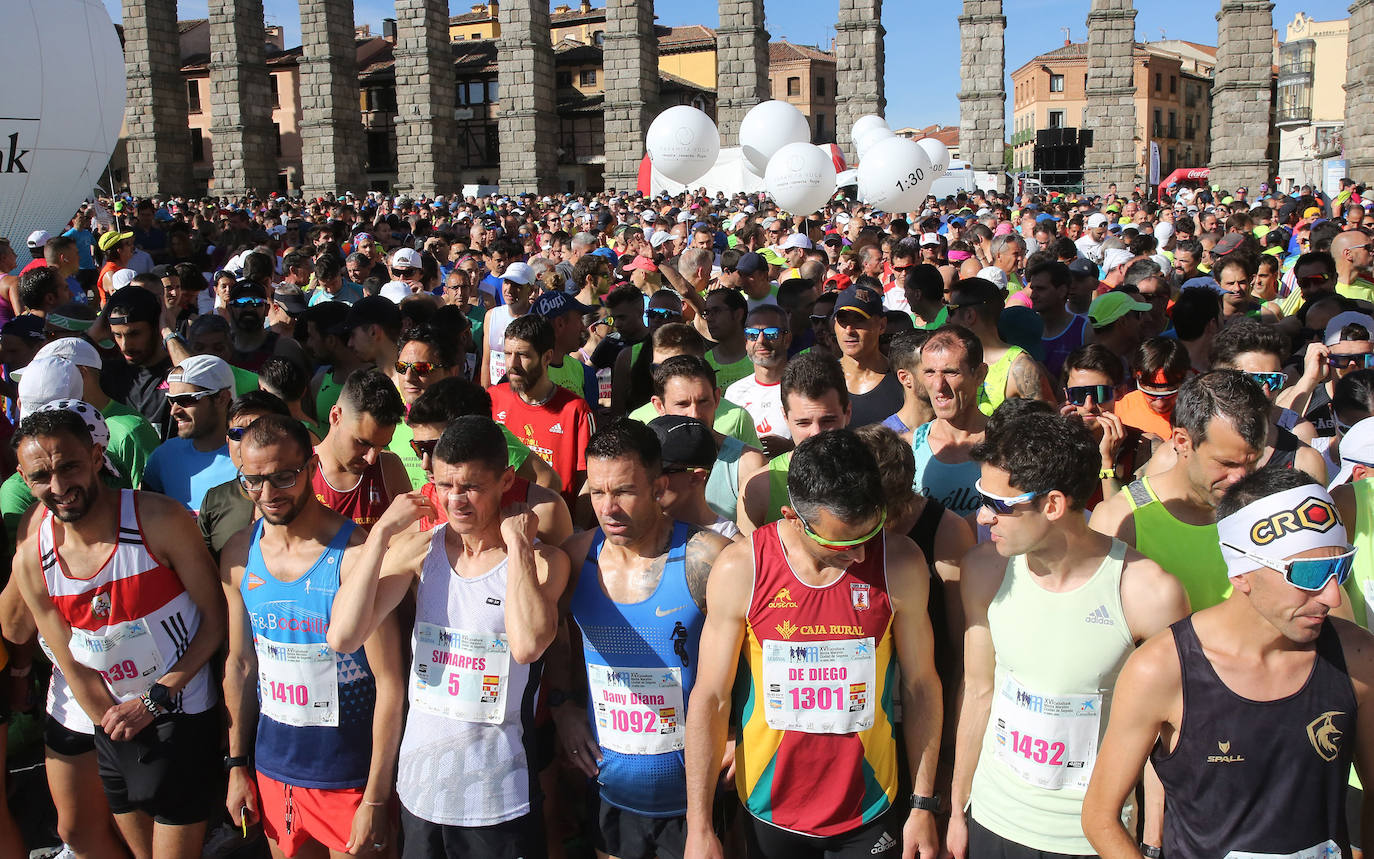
point(986, 844)
point(882, 839)
point(171, 770)
point(521, 838)
point(64, 741)
point(627, 835)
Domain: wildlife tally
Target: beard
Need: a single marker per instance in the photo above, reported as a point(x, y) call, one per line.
point(80, 501)
point(287, 516)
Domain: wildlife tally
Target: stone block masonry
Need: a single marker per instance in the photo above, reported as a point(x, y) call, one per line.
point(1359, 94)
point(860, 62)
point(630, 64)
point(159, 147)
point(332, 149)
point(243, 145)
point(1113, 157)
point(1242, 103)
point(528, 120)
point(741, 64)
point(982, 91)
point(426, 132)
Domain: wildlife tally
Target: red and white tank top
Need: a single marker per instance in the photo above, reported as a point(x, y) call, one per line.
point(132, 620)
point(364, 503)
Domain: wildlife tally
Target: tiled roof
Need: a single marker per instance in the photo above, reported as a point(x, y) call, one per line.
point(784, 51)
point(190, 24)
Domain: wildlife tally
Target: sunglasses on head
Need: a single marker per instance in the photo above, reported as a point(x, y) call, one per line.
point(838, 545)
point(769, 333)
point(424, 448)
point(1272, 382)
point(278, 479)
point(188, 400)
point(1308, 574)
point(663, 313)
point(424, 368)
point(1000, 504)
point(1078, 394)
point(249, 302)
point(1363, 360)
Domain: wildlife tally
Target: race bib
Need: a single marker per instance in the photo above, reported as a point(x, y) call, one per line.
point(460, 675)
point(1326, 850)
point(498, 366)
point(819, 687)
point(298, 684)
point(638, 711)
point(125, 655)
point(1049, 741)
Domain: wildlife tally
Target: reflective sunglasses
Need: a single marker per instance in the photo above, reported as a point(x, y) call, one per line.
point(1078, 394)
point(235, 434)
point(840, 545)
point(424, 448)
point(279, 479)
point(1157, 393)
point(188, 400)
point(1000, 504)
point(820, 318)
point(1272, 382)
point(1308, 574)
point(424, 368)
point(769, 333)
point(1363, 360)
point(662, 313)
point(249, 302)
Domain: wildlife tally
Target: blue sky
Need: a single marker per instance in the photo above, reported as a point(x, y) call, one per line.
point(922, 35)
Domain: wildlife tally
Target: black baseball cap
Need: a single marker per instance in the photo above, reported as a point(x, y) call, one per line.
point(373, 310)
point(133, 303)
point(685, 442)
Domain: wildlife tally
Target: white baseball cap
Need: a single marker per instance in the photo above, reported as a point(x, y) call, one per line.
point(406, 258)
point(396, 291)
point(1096, 220)
point(39, 238)
point(796, 240)
point(660, 238)
point(1332, 335)
point(1357, 448)
point(74, 349)
point(518, 272)
point(48, 379)
point(994, 274)
point(204, 371)
point(122, 278)
point(930, 239)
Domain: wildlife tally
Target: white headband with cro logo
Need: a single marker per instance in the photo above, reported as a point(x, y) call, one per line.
point(1280, 526)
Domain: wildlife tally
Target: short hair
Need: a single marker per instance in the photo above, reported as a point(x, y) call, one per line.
point(37, 284)
point(1140, 270)
point(257, 401)
point(769, 309)
point(1225, 394)
point(979, 294)
point(473, 438)
point(904, 352)
point(1322, 258)
point(681, 366)
point(1058, 272)
point(835, 471)
point(294, 259)
point(1001, 243)
point(1354, 393)
point(368, 390)
point(1161, 354)
point(926, 280)
point(1261, 483)
point(813, 375)
point(732, 298)
point(906, 248)
point(532, 329)
point(328, 317)
point(275, 428)
point(587, 265)
point(628, 438)
point(258, 267)
point(190, 275)
point(47, 423)
point(1094, 358)
point(327, 267)
point(896, 463)
point(1042, 453)
point(1195, 307)
point(948, 337)
point(623, 295)
point(447, 400)
point(693, 259)
point(1234, 260)
point(679, 335)
point(1245, 335)
point(435, 338)
point(284, 376)
point(1192, 247)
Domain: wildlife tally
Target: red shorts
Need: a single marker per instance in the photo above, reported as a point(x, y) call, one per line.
point(293, 815)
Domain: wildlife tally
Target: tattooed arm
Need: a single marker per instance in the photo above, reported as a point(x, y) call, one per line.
point(702, 549)
point(1028, 379)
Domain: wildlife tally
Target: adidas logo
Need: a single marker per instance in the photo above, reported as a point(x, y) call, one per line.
point(885, 843)
point(1100, 615)
point(556, 429)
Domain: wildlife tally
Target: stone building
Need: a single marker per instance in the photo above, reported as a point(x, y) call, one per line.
point(1309, 109)
point(805, 76)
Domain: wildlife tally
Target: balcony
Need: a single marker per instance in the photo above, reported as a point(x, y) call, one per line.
point(1292, 115)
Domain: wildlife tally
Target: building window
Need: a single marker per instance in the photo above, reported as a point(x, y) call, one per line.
point(477, 34)
point(276, 133)
point(1173, 85)
point(193, 96)
point(1056, 83)
point(565, 79)
point(587, 77)
point(794, 86)
point(197, 145)
point(820, 87)
point(1173, 125)
point(379, 158)
point(476, 92)
point(1159, 123)
point(820, 128)
point(1056, 119)
point(492, 88)
point(1159, 81)
point(598, 38)
point(276, 96)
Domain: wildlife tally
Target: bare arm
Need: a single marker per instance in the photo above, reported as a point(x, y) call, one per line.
point(1114, 518)
point(240, 681)
point(179, 544)
point(555, 522)
point(535, 579)
point(484, 365)
point(1358, 647)
point(537, 471)
point(395, 478)
point(374, 582)
point(752, 509)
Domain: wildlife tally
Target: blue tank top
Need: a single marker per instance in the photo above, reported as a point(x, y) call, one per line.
point(314, 725)
point(636, 654)
point(952, 484)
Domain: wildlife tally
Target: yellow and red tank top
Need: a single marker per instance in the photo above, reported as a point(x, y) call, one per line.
point(817, 752)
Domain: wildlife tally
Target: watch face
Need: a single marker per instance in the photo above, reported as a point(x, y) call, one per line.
point(160, 695)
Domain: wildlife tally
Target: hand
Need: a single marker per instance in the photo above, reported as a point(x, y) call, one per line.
point(702, 845)
point(369, 830)
point(919, 836)
point(575, 736)
point(167, 320)
point(1113, 434)
point(242, 799)
point(1314, 363)
point(727, 766)
point(518, 523)
point(405, 510)
point(122, 722)
point(956, 839)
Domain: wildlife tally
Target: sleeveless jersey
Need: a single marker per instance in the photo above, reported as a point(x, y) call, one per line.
point(61, 702)
point(1219, 781)
point(722, 487)
point(952, 484)
point(315, 705)
point(364, 503)
point(994, 388)
point(1057, 658)
point(641, 664)
point(817, 752)
point(777, 485)
point(496, 342)
point(1061, 346)
point(466, 751)
point(133, 619)
point(1191, 553)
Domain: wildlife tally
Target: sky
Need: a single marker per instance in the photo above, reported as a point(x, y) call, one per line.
point(922, 35)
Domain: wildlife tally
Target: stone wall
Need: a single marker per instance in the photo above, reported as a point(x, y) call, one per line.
point(630, 67)
point(982, 90)
point(860, 63)
point(741, 64)
point(1111, 97)
point(528, 119)
point(1241, 94)
point(332, 150)
point(243, 143)
point(1359, 94)
point(426, 133)
point(158, 144)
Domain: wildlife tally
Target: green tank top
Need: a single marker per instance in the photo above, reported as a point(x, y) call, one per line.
point(1057, 659)
point(1360, 586)
point(994, 388)
point(327, 396)
point(569, 375)
point(728, 374)
point(777, 486)
point(1191, 553)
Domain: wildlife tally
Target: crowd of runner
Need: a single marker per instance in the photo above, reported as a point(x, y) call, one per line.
point(686, 527)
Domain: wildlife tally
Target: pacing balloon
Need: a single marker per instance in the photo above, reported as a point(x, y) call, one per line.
point(896, 175)
point(683, 143)
point(768, 127)
point(62, 112)
point(800, 178)
point(862, 145)
point(865, 124)
point(938, 152)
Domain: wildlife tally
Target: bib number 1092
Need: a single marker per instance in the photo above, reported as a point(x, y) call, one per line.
point(1034, 749)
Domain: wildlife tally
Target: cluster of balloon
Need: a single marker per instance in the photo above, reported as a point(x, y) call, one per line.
point(62, 111)
point(683, 144)
point(775, 140)
point(895, 173)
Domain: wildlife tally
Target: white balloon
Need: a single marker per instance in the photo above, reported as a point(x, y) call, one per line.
point(896, 175)
point(63, 108)
point(768, 127)
point(938, 152)
point(865, 124)
point(862, 145)
point(683, 144)
point(800, 178)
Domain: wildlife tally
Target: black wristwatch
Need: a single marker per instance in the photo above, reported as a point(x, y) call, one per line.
point(240, 761)
point(925, 803)
point(1151, 852)
point(161, 696)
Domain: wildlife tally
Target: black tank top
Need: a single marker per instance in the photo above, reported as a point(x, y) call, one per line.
point(923, 533)
point(1285, 453)
point(1319, 412)
point(1258, 776)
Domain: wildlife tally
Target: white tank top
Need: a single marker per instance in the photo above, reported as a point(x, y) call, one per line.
point(61, 703)
point(464, 758)
point(133, 619)
point(496, 341)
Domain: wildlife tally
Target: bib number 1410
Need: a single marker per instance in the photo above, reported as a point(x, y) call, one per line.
point(289, 693)
point(1034, 749)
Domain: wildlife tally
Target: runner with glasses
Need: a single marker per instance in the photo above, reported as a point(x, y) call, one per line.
point(199, 390)
point(1052, 611)
point(312, 733)
point(225, 509)
point(766, 340)
point(823, 607)
point(1277, 694)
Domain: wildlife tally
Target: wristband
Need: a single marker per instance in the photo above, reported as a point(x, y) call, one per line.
point(1107, 474)
point(240, 761)
point(375, 804)
point(1150, 852)
point(925, 803)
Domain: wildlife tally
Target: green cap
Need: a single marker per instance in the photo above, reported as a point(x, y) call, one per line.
point(1110, 307)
